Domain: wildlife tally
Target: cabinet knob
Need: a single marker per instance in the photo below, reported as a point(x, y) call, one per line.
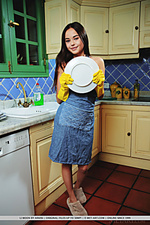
point(129, 134)
point(136, 27)
point(107, 31)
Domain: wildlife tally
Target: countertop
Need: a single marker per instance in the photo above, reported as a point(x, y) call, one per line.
point(11, 124)
point(122, 102)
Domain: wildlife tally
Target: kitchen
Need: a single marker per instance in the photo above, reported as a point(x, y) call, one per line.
point(124, 65)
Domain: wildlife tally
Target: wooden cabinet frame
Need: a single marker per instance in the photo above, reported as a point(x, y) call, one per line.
point(134, 150)
point(145, 24)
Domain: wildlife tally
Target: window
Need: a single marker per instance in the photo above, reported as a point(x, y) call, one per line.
point(22, 39)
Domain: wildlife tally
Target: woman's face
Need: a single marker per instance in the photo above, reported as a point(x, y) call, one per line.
point(74, 43)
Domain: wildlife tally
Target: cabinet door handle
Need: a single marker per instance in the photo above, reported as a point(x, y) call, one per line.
point(12, 24)
point(128, 134)
point(107, 31)
point(136, 27)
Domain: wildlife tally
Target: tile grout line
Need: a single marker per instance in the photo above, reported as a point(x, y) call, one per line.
point(131, 188)
point(105, 180)
point(60, 206)
point(100, 184)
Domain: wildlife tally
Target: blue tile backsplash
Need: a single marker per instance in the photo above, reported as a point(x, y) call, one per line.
point(9, 91)
point(125, 72)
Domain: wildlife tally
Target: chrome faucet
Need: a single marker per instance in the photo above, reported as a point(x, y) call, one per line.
point(25, 104)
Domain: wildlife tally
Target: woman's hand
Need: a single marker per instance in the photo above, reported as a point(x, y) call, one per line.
point(63, 93)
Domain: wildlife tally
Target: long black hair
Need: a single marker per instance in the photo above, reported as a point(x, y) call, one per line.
point(64, 56)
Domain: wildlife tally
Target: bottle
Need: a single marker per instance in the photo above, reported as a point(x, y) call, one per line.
point(136, 89)
point(38, 95)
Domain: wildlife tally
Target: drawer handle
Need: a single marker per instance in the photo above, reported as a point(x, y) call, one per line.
point(129, 134)
point(106, 31)
point(136, 27)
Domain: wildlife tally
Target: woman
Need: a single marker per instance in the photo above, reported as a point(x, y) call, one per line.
point(74, 121)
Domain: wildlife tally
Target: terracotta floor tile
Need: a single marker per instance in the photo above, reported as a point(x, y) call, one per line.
point(99, 172)
point(107, 222)
point(123, 179)
point(145, 173)
point(87, 196)
point(142, 184)
point(128, 169)
point(90, 185)
point(98, 206)
point(55, 210)
point(128, 211)
point(138, 200)
point(61, 201)
point(109, 196)
point(106, 164)
point(112, 192)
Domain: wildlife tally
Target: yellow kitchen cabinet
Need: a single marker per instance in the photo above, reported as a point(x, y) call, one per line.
point(73, 11)
point(58, 13)
point(118, 35)
point(116, 130)
point(95, 21)
point(126, 135)
point(124, 29)
point(145, 24)
point(46, 174)
point(141, 135)
point(97, 132)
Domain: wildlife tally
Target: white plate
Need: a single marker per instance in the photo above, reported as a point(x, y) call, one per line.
point(81, 70)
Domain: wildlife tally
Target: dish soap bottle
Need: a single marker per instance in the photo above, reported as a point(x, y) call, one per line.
point(136, 89)
point(38, 95)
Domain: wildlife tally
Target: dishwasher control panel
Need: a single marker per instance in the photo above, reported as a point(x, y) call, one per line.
point(13, 142)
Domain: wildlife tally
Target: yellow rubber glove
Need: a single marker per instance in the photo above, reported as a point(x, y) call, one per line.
point(99, 90)
point(63, 93)
point(99, 78)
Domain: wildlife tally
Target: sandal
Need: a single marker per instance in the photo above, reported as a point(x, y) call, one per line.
point(76, 208)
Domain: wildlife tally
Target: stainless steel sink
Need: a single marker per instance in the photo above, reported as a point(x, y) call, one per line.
point(142, 99)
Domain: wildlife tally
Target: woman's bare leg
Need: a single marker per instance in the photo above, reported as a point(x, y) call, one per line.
point(82, 170)
point(67, 177)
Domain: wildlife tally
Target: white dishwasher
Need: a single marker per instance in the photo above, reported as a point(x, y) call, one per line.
point(16, 192)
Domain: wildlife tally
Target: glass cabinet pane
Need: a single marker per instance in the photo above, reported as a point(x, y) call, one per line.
point(20, 33)
point(32, 30)
point(1, 40)
point(1, 51)
point(18, 5)
point(0, 18)
point(30, 8)
point(33, 55)
point(21, 53)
